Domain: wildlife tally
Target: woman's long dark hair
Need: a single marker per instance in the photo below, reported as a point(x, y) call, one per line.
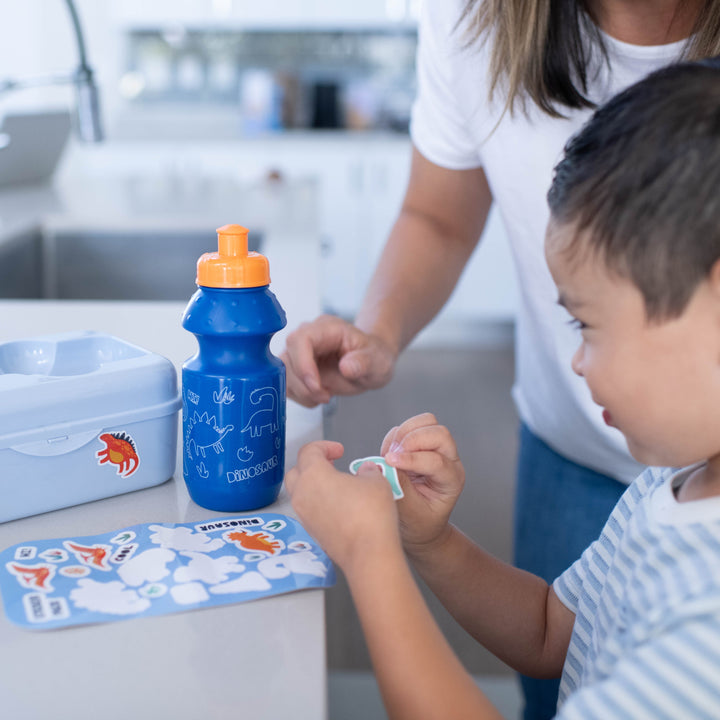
point(539, 48)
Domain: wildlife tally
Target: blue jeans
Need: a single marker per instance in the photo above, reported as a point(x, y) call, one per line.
point(560, 508)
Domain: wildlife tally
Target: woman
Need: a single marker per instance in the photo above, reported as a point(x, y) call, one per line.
point(503, 84)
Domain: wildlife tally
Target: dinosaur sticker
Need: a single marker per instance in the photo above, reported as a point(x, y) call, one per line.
point(259, 541)
point(119, 450)
point(36, 577)
point(388, 471)
point(95, 556)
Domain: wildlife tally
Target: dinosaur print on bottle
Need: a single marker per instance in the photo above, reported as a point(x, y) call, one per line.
point(202, 433)
point(265, 417)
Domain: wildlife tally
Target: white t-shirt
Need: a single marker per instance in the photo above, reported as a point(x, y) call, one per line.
point(646, 598)
point(455, 126)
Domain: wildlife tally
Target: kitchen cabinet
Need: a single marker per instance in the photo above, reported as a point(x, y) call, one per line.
point(360, 181)
point(277, 14)
point(160, 13)
point(360, 197)
point(360, 210)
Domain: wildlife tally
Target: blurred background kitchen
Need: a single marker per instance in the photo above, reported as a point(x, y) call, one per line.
point(288, 111)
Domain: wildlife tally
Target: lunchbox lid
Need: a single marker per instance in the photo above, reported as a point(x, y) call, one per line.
point(77, 379)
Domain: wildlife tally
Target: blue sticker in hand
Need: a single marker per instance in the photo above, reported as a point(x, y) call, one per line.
point(388, 471)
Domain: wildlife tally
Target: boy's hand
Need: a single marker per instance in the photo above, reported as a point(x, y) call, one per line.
point(351, 516)
point(431, 475)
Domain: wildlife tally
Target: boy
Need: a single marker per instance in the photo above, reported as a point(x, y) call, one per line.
point(633, 626)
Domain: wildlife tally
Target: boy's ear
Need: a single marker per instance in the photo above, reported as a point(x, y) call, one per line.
point(714, 279)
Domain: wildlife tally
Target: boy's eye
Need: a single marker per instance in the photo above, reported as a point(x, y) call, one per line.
point(577, 324)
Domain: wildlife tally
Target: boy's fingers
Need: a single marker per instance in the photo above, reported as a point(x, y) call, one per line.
point(320, 451)
point(369, 468)
point(396, 436)
point(328, 450)
point(388, 440)
point(415, 422)
point(420, 463)
point(290, 480)
point(435, 438)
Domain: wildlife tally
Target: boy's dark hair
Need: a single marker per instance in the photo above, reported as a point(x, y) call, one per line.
point(641, 184)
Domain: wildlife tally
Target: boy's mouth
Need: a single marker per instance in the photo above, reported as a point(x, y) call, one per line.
point(607, 417)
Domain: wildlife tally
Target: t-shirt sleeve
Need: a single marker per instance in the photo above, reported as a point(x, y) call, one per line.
point(587, 570)
point(568, 586)
point(438, 126)
point(674, 675)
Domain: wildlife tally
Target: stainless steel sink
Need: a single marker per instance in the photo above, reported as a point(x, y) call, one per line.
point(105, 265)
point(21, 270)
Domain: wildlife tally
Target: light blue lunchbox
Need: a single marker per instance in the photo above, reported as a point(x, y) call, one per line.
point(83, 416)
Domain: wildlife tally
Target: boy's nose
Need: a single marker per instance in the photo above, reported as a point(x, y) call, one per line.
point(577, 361)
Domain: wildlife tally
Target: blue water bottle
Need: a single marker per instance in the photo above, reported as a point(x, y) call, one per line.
point(233, 388)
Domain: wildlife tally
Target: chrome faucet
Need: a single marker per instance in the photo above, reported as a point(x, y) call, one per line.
point(88, 125)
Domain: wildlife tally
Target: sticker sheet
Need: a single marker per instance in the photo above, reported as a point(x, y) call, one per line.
point(155, 569)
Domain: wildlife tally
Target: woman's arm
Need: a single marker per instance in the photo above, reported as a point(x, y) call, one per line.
point(441, 219)
point(440, 222)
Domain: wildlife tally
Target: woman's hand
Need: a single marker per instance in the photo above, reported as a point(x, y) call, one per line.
point(330, 356)
point(353, 517)
point(432, 478)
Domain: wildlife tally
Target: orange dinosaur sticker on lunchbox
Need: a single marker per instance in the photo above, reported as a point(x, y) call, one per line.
point(119, 450)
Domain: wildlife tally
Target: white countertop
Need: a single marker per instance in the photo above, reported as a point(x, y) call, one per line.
point(263, 659)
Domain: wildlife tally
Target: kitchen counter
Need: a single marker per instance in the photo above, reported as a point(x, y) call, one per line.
point(263, 658)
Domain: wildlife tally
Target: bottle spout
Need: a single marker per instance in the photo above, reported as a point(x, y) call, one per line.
point(233, 240)
point(232, 266)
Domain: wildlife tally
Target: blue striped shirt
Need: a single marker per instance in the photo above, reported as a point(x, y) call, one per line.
point(646, 596)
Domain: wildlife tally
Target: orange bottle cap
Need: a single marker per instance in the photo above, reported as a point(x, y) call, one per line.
point(232, 266)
